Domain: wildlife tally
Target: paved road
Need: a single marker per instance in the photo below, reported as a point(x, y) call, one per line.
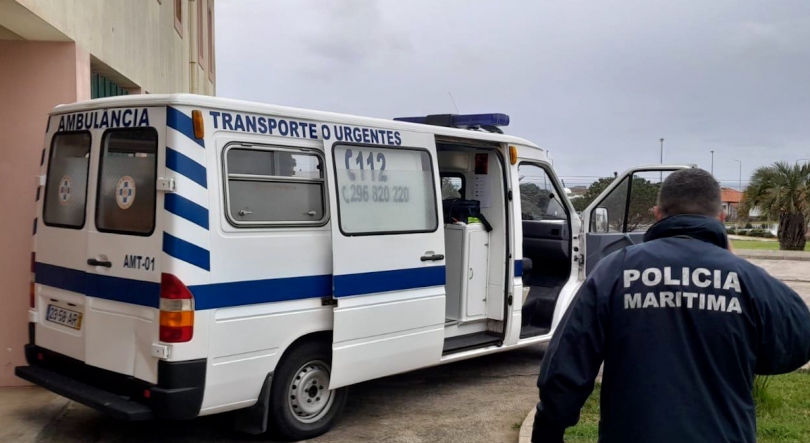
point(477, 400)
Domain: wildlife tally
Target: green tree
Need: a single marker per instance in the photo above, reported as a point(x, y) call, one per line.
point(593, 191)
point(643, 195)
point(534, 201)
point(782, 191)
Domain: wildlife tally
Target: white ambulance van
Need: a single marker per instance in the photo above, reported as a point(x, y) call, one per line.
point(195, 255)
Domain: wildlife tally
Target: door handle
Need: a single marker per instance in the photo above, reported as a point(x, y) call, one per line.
point(94, 262)
point(434, 257)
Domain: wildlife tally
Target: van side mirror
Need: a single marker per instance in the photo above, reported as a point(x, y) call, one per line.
point(599, 222)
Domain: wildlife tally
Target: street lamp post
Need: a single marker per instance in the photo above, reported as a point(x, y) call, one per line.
point(661, 176)
point(740, 162)
point(712, 162)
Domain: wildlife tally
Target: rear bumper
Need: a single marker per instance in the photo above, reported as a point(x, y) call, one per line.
point(178, 394)
point(98, 399)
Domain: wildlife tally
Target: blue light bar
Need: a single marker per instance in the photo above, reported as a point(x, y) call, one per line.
point(460, 121)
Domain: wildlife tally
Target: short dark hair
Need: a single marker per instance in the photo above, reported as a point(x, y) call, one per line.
point(690, 191)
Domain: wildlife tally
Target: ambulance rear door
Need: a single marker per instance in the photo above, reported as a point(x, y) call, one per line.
point(99, 249)
point(622, 213)
point(388, 252)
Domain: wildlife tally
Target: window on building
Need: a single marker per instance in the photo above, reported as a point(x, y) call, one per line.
point(101, 87)
point(200, 34)
point(274, 186)
point(125, 200)
point(66, 188)
point(178, 16)
point(385, 191)
point(211, 63)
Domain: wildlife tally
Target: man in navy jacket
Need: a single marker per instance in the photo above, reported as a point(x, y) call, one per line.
point(682, 326)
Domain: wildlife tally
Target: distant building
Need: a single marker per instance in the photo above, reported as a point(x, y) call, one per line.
point(731, 199)
point(579, 190)
point(63, 51)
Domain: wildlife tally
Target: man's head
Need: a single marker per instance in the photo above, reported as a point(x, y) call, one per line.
point(689, 191)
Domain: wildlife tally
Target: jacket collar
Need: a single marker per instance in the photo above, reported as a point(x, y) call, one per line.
point(699, 227)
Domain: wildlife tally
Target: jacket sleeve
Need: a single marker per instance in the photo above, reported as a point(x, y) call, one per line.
point(574, 355)
point(784, 326)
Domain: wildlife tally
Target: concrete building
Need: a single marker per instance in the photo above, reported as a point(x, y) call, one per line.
point(62, 51)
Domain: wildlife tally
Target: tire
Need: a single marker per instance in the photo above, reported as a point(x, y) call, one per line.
point(301, 406)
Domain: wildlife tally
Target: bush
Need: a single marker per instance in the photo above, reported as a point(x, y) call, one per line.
point(759, 233)
point(749, 225)
point(732, 230)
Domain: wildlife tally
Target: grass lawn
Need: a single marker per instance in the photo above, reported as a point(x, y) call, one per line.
point(788, 422)
point(754, 244)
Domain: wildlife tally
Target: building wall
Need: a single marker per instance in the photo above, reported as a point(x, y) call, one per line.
point(33, 76)
point(136, 40)
point(48, 52)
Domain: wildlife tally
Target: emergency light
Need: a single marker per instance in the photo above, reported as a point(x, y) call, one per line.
point(489, 122)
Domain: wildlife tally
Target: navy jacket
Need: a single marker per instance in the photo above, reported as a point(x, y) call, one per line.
point(682, 325)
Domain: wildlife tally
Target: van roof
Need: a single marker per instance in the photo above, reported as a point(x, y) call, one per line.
point(261, 108)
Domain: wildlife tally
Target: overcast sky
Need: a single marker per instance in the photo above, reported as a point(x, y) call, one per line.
point(595, 82)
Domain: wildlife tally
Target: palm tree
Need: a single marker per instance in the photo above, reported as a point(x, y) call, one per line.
point(782, 190)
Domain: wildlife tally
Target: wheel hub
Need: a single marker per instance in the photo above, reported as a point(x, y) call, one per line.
point(309, 398)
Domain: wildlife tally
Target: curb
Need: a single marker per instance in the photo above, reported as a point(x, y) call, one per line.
point(772, 255)
point(526, 427)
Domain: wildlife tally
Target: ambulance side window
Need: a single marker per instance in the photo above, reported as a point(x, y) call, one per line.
point(274, 186)
point(125, 200)
point(384, 190)
point(66, 188)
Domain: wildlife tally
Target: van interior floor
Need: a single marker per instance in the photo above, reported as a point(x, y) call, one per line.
point(470, 341)
point(538, 309)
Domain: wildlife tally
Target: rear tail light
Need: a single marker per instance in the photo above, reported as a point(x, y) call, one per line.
point(32, 295)
point(176, 310)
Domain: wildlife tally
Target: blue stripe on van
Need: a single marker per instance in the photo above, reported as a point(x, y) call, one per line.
point(125, 290)
point(383, 281)
point(185, 166)
point(188, 252)
point(183, 207)
point(518, 268)
point(183, 124)
point(222, 295)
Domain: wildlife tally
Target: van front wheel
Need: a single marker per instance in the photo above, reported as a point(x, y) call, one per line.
point(302, 406)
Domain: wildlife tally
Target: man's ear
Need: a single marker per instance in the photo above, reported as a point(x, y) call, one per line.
point(721, 216)
point(659, 214)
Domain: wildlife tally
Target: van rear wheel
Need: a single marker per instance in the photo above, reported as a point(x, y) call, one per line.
point(302, 406)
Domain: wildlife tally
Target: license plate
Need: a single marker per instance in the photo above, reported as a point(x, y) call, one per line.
point(64, 317)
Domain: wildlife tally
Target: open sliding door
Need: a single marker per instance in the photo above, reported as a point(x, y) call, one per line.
point(388, 254)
